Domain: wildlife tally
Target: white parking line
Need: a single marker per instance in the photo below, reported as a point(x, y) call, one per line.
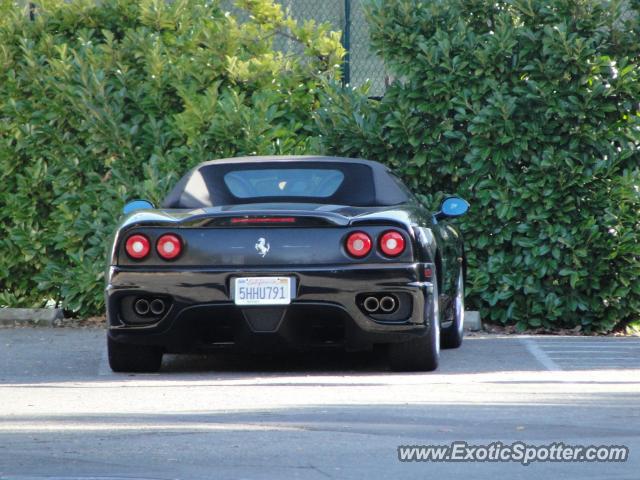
point(556, 357)
point(597, 352)
point(605, 353)
point(598, 361)
point(540, 355)
point(596, 346)
point(588, 347)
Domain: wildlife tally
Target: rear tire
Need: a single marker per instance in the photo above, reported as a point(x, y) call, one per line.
point(133, 358)
point(453, 334)
point(420, 354)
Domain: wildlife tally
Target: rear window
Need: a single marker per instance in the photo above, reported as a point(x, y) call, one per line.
point(321, 181)
point(284, 182)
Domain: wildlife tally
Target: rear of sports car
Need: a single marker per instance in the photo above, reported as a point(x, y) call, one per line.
point(273, 253)
point(257, 282)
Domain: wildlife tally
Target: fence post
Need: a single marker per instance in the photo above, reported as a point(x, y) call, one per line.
point(346, 43)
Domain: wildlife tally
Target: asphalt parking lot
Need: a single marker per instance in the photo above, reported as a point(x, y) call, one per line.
point(65, 415)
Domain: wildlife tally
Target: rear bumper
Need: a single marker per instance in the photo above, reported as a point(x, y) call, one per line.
point(325, 310)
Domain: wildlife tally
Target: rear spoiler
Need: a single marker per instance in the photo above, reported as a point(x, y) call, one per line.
point(178, 218)
point(202, 218)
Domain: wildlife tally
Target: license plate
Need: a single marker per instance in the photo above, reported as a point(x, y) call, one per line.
point(262, 291)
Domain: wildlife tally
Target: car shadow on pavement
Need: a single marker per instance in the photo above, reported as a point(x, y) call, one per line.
point(45, 356)
point(285, 362)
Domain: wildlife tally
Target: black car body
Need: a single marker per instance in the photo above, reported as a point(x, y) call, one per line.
point(286, 252)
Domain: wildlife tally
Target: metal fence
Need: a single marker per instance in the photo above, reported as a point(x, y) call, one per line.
point(361, 65)
point(348, 16)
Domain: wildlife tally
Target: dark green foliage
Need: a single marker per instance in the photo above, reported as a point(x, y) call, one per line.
point(103, 102)
point(530, 110)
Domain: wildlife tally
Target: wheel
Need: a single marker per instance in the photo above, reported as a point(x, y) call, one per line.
point(133, 358)
point(452, 334)
point(420, 354)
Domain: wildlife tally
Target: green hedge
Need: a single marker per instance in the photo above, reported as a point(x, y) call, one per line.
point(529, 109)
point(101, 102)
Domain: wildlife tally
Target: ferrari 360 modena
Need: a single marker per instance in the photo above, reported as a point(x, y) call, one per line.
point(277, 253)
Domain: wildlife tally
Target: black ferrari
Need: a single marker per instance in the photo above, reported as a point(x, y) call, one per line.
point(263, 253)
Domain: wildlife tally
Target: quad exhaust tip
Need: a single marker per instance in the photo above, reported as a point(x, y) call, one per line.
point(388, 304)
point(371, 304)
point(143, 307)
point(157, 306)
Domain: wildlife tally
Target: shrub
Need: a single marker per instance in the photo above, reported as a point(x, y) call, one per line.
point(528, 108)
point(102, 102)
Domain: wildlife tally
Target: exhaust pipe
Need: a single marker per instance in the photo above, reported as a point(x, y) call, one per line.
point(157, 306)
point(388, 304)
point(141, 307)
point(371, 304)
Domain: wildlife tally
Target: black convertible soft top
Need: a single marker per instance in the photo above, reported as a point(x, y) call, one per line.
point(360, 182)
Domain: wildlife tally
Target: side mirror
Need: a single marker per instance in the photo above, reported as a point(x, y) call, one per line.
point(134, 205)
point(452, 207)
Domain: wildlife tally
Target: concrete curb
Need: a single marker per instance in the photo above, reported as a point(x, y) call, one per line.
point(39, 317)
point(472, 321)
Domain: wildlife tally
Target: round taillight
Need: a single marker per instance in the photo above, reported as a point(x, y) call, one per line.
point(169, 246)
point(392, 243)
point(358, 244)
point(137, 246)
